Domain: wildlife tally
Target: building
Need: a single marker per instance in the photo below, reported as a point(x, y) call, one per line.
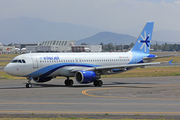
point(25, 45)
point(87, 48)
point(27, 48)
point(31, 49)
point(52, 46)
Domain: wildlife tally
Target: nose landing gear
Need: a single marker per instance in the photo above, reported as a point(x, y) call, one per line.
point(29, 85)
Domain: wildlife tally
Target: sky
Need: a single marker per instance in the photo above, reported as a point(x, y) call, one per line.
point(108, 15)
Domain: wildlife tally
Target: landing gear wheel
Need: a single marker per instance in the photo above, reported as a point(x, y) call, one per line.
point(95, 83)
point(28, 85)
point(98, 83)
point(69, 82)
point(66, 82)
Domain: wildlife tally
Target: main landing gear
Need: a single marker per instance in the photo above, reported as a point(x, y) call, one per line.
point(98, 83)
point(69, 82)
point(29, 85)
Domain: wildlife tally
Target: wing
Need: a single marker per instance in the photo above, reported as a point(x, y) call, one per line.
point(104, 69)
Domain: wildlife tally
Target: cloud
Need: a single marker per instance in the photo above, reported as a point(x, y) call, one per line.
point(177, 2)
point(110, 15)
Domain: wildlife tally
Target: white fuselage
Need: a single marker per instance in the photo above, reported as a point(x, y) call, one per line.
point(60, 64)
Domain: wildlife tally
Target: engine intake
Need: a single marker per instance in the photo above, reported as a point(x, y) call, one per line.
point(84, 77)
point(42, 79)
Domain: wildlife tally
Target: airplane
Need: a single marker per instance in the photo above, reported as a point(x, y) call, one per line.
point(85, 67)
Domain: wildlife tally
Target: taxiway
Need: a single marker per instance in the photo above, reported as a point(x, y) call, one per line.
point(125, 96)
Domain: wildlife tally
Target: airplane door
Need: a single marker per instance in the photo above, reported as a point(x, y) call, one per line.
point(35, 62)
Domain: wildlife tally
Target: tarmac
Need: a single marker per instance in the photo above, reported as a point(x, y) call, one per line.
point(137, 97)
point(118, 96)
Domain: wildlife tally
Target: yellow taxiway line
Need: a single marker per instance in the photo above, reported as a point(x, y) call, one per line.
point(84, 92)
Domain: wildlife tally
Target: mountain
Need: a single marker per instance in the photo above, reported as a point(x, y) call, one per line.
point(108, 37)
point(115, 38)
point(36, 30)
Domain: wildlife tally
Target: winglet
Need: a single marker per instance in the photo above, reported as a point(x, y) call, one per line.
point(170, 62)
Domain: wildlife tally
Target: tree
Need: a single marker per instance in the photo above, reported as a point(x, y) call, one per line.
point(110, 46)
point(83, 43)
point(131, 45)
point(102, 45)
point(165, 47)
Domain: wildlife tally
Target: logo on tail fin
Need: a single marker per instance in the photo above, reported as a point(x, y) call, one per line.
point(145, 41)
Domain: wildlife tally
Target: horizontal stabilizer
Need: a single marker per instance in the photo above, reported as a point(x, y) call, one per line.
point(152, 58)
point(170, 62)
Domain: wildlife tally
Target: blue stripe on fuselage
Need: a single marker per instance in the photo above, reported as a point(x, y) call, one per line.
point(43, 72)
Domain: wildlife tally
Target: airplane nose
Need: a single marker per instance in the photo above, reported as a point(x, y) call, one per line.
point(7, 69)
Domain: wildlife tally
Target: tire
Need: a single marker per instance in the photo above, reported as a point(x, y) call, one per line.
point(99, 83)
point(66, 82)
point(71, 82)
point(96, 83)
point(28, 85)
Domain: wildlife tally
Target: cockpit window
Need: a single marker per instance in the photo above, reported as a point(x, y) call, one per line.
point(19, 61)
point(14, 61)
point(23, 61)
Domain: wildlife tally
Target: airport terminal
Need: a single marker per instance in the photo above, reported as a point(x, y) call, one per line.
point(50, 46)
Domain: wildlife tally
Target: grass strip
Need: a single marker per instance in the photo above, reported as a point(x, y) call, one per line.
point(176, 59)
point(8, 55)
point(148, 72)
point(4, 75)
point(6, 58)
point(3, 63)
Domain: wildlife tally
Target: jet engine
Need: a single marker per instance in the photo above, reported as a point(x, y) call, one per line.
point(84, 77)
point(42, 79)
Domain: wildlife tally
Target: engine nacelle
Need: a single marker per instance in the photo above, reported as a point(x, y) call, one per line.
point(42, 79)
point(84, 77)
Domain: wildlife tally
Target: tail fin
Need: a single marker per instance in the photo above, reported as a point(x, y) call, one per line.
point(143, 42)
